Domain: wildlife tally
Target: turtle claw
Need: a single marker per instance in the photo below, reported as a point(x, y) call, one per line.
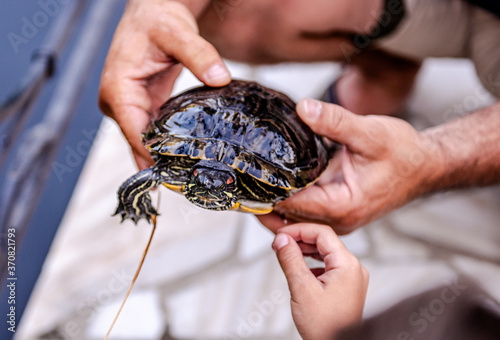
point(134, 202)
point(128, 212)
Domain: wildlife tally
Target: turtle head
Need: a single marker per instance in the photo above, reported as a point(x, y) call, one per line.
point(211, 185)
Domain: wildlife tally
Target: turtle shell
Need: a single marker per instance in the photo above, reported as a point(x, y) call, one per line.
point(251, 128)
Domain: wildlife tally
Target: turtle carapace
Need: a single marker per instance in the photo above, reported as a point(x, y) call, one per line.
point(238, 147)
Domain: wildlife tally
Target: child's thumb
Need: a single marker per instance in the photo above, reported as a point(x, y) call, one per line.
point(290, 257)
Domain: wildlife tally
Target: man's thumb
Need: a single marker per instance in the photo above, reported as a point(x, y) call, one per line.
point(334, 122)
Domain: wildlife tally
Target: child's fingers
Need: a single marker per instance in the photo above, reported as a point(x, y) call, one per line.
point(329, 246)
point(300, 279)
point(317, 271)
point(308, 249)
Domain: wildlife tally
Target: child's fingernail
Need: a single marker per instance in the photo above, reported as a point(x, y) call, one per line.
point(280, 241)
point(313, 108)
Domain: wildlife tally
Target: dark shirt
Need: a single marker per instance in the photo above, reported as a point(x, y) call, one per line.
point(458, 311)
point(492, 6)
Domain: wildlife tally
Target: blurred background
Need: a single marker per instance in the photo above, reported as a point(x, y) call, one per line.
point(208, 275)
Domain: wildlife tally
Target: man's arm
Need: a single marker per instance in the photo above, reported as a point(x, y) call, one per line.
point(386, 163)
point(470, 150)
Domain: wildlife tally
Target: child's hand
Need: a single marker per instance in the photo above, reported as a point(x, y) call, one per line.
point(323, 300)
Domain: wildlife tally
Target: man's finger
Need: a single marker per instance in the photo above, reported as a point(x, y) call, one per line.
point(316, 204)
point(132, 121)
point(198, 55)
point(128, 103)
point(272, 221)
point(301, 280)
point(337, 124)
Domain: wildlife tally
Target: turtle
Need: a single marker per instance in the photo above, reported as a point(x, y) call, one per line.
point(237, 147)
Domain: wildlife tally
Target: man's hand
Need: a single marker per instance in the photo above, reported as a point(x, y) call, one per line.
point(151, 42)
point(384, 164)
point(323, 300)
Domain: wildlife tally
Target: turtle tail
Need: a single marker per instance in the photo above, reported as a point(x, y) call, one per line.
point(134, 201)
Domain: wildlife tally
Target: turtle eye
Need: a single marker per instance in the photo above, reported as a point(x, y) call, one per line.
point(230, 180)
point(195, 172)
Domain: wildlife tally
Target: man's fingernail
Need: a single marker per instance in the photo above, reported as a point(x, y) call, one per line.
point(280, 241)
point(313, 108)
point(217, 72)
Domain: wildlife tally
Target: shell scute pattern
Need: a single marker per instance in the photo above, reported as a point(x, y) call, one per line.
point(260, 131)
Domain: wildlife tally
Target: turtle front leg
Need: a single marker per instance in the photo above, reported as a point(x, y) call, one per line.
point(134, 201)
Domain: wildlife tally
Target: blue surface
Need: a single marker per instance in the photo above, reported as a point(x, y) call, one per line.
point(31, 252)
point(11, 21)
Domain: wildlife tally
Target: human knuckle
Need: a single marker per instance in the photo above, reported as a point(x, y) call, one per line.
point(353, 262)
point(203, 50)
point(335, 118)
point(376, 127)
point(324, 227)
point(320, 229)
point(376, 134)
point(177, 9)
point(165, 30)
point(176, 21)
point(169, 27)
point(289, 259)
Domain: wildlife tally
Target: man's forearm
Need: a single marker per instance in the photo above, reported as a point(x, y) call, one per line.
point(469, 150)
